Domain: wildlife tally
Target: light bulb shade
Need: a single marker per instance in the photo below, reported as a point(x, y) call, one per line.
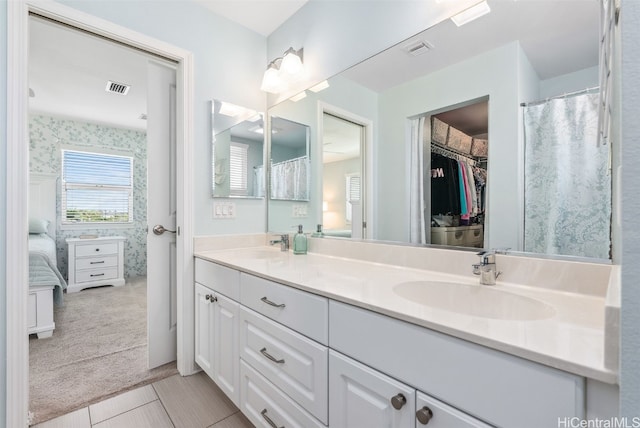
point(291, 62)
point(271, 81)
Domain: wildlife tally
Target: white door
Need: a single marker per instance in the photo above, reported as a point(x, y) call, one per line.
point(225, 353)
point(161, 214)
point(362, 397)
point(204, 329)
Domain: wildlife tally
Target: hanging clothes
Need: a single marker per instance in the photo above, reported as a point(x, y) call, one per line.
point(445, 190)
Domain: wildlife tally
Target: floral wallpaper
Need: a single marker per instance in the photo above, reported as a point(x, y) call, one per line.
point(48, 135)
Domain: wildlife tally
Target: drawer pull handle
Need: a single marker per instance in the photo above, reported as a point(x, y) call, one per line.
point(269, 302)
point(397, 401)
point(264, 352)
point(96, 263)
point(211, 298)
point(268, 419)
point(96, 274)
point(424, 415)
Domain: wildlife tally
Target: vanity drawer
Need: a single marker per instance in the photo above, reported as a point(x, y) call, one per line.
point(294, 363)
point(96, 249)
point(464, 375)
point(266, 406)
point(219, 278)
point(96, 274)
point(97, 262)
point(299, 310)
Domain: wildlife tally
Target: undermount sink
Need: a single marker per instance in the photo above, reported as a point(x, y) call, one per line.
point(474, 300)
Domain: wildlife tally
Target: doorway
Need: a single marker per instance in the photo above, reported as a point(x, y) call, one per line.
point(342, 178)
point(346, 186)
point(17, 170)
point(94, 142)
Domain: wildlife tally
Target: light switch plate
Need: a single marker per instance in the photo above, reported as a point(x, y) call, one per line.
point(299, 211)
point(224, 210)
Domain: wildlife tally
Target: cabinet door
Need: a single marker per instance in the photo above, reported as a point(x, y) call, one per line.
point(225, 351)
point(204, 331)
point(362, 397)
point(436, 414)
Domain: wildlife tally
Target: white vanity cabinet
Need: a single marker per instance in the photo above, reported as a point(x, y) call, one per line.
point(216, 326)
point(494, 387)
point(360, 396)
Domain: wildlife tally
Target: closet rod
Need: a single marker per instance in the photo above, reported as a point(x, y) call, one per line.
point(565, 95)
point(436, 148)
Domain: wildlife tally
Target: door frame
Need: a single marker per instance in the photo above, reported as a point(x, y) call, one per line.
point(370, 232)
point(17, 158)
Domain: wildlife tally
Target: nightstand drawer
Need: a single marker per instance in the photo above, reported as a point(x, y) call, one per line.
point(97, 262)
point(96, 249)
point(96, 274)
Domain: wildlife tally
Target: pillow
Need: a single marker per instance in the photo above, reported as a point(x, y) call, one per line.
point(38, 225)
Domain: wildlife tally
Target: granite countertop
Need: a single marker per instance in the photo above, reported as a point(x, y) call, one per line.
point(560, 329)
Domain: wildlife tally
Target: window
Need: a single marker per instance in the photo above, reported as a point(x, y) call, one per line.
point(238, 162)
point(96, 188)
point(353, 193)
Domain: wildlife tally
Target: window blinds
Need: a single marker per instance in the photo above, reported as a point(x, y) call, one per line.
point(96, 188)
point(238, 168)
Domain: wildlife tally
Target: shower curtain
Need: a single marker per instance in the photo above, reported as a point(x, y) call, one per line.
point(567, 180)
point(290, 179)
point(417, 224)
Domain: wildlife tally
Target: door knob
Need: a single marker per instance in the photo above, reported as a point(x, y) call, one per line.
point(397, 401)
point(424, 415)
point(159, 229)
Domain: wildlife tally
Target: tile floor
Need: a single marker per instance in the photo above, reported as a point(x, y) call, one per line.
point(175, 402)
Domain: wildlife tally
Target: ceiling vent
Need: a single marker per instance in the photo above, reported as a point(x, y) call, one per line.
point(418, 48)
point(117, 88)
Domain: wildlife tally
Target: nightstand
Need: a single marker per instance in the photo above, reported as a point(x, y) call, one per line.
point(95, 262)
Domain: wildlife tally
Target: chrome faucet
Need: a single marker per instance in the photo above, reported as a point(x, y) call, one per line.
point(487, 268)
point(283, 241)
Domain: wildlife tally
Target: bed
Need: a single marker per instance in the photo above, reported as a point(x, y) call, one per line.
point(46, 284)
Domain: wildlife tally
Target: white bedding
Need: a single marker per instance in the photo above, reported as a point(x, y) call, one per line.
point(42, 243)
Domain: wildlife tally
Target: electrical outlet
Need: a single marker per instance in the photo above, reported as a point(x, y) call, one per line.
point(224, 210)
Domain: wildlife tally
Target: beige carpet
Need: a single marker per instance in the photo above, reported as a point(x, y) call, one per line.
point(98, 349)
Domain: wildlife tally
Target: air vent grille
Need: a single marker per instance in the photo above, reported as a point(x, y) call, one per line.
point(418, 48)
point(117, 88)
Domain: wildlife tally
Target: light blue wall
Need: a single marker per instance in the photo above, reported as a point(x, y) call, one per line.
point(630, 139)
point(582, 79)
point(229, 61)
point(3, 209)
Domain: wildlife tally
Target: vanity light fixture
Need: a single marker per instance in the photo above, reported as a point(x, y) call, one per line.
point(320, 86)
point(282, 71)
point(474, 12)
point(298, 97)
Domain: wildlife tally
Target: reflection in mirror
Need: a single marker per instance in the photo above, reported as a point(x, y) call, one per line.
point(237, 153)
point(290, 166)
point(519, 53)
point(455, 181)
point(342, 184)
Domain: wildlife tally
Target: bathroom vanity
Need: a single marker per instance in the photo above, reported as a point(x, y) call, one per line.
point(319, 340)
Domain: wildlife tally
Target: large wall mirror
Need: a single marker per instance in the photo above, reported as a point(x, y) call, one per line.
point(237, 151)
point(456, 77)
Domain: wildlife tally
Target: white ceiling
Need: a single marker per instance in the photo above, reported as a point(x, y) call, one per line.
point(68, 69)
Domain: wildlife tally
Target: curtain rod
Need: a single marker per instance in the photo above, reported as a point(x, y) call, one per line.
point(568, 94)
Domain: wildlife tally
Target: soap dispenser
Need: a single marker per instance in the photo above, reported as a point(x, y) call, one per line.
point(318, 233)
point(300, 242)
